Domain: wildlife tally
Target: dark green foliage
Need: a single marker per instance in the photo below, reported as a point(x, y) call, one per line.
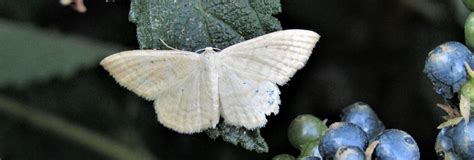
point(29, 54)
point(248, 139)
point(283, 157)
point(23, 10)
point(51, 113)
point(43, 66)
point(469, 31)
point(469, 4)
point(192, 25)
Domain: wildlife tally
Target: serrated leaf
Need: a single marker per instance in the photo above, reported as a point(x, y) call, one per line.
point(28, 54)
point(248, 139)
point(192, 25)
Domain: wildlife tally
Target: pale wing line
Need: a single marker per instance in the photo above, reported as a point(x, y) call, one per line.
point(242, 74)
point(258, 52)
point(198, 89)
point(301, 43)
point(117, 60)
point(234, 89)
point(200, 106)
point(171, 85)
point(285, 73)
point(194, 96)
point(308, 43)
point(135, 60)
point(259, 114)
point(147, 74)
point(272, 61)
point(279, 52)
point(309, 37)
point(248, 73)
point(294, 49)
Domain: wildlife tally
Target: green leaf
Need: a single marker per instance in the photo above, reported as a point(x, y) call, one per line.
point(28, 54)
point(248, 139)
point(192, 25)
point(23, 10)
point(90, 100)
point(70, 131)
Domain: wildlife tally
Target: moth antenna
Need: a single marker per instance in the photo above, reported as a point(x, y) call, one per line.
point(167, 45)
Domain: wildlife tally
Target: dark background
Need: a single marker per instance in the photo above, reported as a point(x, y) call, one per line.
point(370, 50)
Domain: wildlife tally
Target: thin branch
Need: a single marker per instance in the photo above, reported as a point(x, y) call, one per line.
point(73, 132)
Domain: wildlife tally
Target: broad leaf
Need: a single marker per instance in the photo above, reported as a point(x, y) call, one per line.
point(196, 24)
point(28, 54)
point(193, 25)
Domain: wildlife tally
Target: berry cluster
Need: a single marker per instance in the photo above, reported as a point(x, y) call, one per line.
point(350, 138)
point(448, 66)
point(456, 142)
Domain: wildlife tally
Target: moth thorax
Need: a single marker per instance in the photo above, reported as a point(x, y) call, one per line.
point(208, 50)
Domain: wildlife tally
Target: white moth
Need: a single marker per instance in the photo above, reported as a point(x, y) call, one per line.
point(192, 91)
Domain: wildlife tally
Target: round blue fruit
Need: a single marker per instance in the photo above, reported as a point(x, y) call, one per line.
point(309, 158)
point(444, 144)
point(445, 67)
point(363, 116)
point(342, 134)
point(349, 153)
point(395, 144)
point(463, 139)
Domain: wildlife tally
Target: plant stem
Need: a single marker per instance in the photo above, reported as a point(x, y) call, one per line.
point(67, 130)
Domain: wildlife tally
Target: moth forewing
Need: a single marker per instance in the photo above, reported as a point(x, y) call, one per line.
point(191, 91)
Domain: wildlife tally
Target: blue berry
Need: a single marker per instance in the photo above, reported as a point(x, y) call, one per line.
point(463, 139)
point(445, 67)
point(395, 144)
point(363, 116)
point(341, 134)
point(309, 158)
point(444, 144)
point(349, 153)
